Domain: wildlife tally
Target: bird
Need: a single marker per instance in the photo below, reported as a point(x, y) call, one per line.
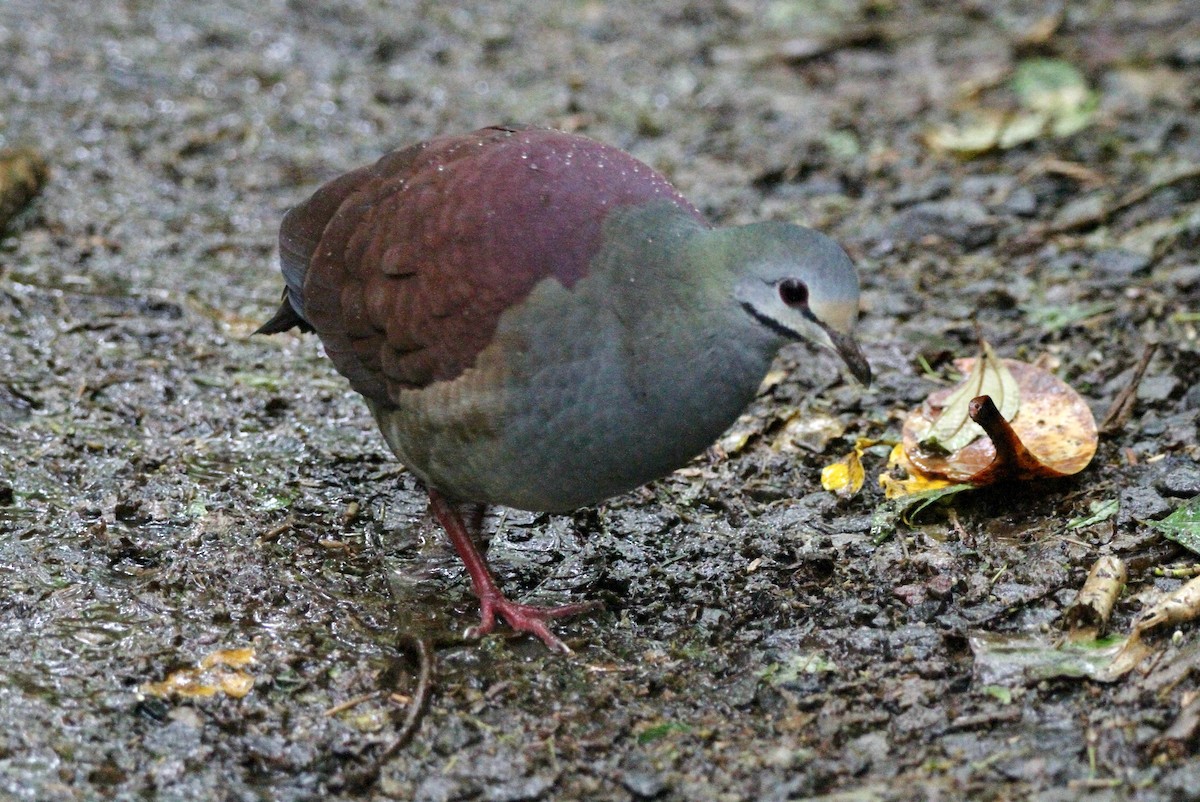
point(540, 321)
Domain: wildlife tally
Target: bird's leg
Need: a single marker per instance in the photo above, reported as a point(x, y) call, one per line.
point(492, 601)
point(472, 515)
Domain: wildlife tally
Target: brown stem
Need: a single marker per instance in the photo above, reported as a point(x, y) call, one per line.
point(1122, 406)
point(1013, 460)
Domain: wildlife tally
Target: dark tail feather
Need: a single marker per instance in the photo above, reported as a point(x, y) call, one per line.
point(286, 318)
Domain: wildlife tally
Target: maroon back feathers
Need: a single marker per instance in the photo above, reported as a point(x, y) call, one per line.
point(403, 268)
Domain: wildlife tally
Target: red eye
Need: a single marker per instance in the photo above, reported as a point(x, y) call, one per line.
point(793, 292)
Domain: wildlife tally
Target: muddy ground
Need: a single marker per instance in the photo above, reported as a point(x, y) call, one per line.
point(171, 486)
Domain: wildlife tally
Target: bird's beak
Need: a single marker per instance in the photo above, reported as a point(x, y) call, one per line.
point(847, 348)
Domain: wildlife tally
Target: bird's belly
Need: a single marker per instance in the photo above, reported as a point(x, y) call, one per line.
point(570, 435)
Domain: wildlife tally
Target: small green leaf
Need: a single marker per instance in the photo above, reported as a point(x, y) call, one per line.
point(1056, 318)
point(1057, 90)
point(656, 732)
point(1183, 525)
point(905, 508)
point(797, 665)
point(1100, 511)
point(954, 428)
point(999, 692)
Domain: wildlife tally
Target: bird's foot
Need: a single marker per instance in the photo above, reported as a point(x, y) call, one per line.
point(492, 601)
point(526, 618)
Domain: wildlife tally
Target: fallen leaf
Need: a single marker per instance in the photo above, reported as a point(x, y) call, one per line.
point(979, 134)
point(217, 672)
point(810, 431)
point(953, 428)
point(1013, 460)
point(1009, 659)
point(796, 665)
point(1056, 317)
point(1054, 425)
point(903, 478)
point(844, 477)
point(1057, 89)
point(1100, 511)
point(906, 508)
point(1053, 99)
point(734, 440)
point(1183, 525)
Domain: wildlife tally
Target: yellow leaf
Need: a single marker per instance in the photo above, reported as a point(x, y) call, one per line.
point(217, 672)
point(845, 477)
point(913, 480)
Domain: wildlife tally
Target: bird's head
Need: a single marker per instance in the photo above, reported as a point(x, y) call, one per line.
point(799, 284)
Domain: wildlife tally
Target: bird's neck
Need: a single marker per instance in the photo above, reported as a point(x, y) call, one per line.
point(693, 352)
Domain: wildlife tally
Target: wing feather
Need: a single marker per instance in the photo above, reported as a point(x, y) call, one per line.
point(404, 267)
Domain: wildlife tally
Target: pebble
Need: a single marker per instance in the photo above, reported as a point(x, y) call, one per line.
point(1191, 399)
point(1184, 277)
point(1157, 388)
point(1187, 54)
point(966, 222)
point(1120, 263)
point(1022, 203)
point(1141, 504)
point(1182, 482)
point(936, 187)
point(643, 784)
point(520, 790)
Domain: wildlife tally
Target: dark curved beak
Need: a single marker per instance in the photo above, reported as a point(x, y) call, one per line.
point(847, 348)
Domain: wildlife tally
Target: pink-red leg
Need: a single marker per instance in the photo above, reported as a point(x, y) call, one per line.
point(492, 601)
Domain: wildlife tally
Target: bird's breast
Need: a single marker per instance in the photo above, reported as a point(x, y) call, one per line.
point(570, 404)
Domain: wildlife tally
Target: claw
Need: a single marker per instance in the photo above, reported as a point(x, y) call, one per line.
point(527, 618)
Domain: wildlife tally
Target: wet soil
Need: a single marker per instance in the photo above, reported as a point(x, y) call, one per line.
point(171, 486)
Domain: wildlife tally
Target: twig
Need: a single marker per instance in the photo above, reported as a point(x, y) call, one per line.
point(422, 650)
point(273, 534)
point(349, 703)
point(1131, 198)
point(363, 776)
point(1122, 406)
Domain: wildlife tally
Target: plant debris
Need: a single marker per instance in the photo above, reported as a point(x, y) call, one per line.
point(1052, 97)
point(1183, 525)
point(23, 172)
point(1178, 607)
point(1122, 406)
point(845, 477)
point(1052, 435)
point(1088, 615)
point(217, 672)
point(954, 428)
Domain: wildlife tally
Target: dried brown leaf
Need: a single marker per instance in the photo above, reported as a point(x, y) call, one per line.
point(1054, 426)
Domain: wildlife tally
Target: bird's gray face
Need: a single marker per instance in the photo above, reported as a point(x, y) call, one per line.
point(805, 287)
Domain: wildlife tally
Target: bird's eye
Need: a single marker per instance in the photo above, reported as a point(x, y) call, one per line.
point(793, 292)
